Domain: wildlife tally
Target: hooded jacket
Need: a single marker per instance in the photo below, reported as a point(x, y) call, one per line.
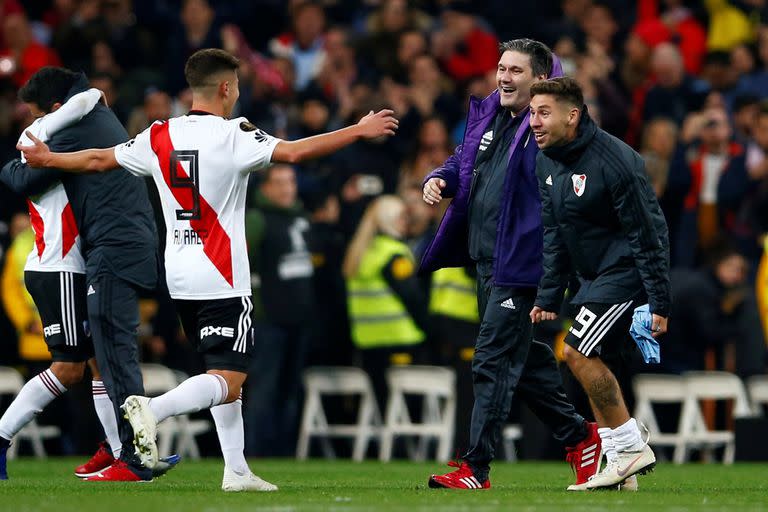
point(518, 251)
point(601, 221)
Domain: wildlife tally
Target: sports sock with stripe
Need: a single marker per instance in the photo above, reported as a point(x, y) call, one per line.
point(105, 410)
point(31, 400)
point(194, 394)
point(229, 427)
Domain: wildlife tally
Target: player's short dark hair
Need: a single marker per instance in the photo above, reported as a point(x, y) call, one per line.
point(540, 54)
point(563, 88)
point(47, 86)
point(204, 64)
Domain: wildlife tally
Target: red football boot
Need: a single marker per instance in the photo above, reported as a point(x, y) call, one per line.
point(119, 471)
point(462, 478)
point(102, 459)
point(585, 458)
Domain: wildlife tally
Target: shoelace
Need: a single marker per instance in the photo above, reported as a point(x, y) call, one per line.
point(572, 458)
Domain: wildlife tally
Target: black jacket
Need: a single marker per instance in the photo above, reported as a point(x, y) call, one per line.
point(112, 209)
point(601, 221)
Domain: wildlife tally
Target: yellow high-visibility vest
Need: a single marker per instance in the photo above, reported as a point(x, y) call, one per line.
point(454, 294)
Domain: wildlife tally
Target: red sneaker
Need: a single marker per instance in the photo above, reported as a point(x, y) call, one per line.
point(585, 458)
point(119, 471)
point(462, 478)
point(102, 459)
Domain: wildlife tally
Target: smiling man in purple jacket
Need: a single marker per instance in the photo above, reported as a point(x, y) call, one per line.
point(494, 222)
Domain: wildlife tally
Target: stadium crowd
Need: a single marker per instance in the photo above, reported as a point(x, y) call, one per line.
point(684, 83)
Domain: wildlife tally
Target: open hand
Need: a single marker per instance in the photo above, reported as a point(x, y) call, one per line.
point(37, 154)
point(378, 124)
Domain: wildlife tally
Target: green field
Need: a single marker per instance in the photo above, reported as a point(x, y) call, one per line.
point(40, 486)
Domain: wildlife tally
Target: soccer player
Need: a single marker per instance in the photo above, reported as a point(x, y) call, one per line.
point(54, 275)
point(602, 220)
point(115, 222)
point(200, 164)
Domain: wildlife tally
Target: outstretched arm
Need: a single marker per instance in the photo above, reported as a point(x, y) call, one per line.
point(89, 160)
point(382, 123)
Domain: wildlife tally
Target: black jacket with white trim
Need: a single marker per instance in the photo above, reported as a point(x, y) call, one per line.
point(602, 222)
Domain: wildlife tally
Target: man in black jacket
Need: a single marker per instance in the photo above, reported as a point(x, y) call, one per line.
point(119, 241)
point(603, 223)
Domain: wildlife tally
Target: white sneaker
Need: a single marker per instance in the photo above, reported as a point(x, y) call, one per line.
point(627, 464)
point(235, 482)
point(630, 484)
point(144, 425)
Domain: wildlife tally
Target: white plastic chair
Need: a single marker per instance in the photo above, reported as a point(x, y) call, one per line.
point(710, 386)
point(179, 429)
point(345, 381)
point(660, 389)
point(437, 386)
point(11, 382)
point(509, 435)
point(758, 393)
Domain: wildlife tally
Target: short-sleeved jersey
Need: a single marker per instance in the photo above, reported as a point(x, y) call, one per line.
point(57, 239)
point(200, 164)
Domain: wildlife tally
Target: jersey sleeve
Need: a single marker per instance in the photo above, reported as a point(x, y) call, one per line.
point(136, 155)
point(253, 146)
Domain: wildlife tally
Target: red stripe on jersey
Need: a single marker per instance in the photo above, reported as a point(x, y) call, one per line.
point(68, 230)
point(216, 242)
point(38, 226)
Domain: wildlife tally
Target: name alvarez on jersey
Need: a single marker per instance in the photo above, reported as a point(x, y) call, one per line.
point(200, 164)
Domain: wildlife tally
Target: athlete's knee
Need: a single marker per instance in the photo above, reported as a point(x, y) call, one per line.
point(572, 356)
point(234, 381)
point(68, 374)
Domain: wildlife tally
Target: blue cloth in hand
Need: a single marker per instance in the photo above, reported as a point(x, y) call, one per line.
point(641, 333)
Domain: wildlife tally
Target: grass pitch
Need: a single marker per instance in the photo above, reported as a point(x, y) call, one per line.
point(342, 486)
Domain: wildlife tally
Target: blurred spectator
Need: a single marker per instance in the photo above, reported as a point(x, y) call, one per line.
point(303, 45)
point(676, 93)
point(18, 303)
point(600, 28)
point(713, 307)
point(718, 183)
point(745, 109)
point(197, 28)
point(385, 29)
point(432, 148)
point(387, 308)
point(422, 223)
point(281, 267)
point(722, 76)
point(673, 20)
point(157, 107)
point(463, 47)
point(21, 56)
point(331, 344)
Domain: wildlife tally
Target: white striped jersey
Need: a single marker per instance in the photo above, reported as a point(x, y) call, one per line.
point(200, 164)
point(57, 239)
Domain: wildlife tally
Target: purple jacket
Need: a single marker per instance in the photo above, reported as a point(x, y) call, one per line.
point(519, 234)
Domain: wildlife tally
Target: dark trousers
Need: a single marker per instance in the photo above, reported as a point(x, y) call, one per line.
point(113, 317)
point(273, 397)
point(506, 359)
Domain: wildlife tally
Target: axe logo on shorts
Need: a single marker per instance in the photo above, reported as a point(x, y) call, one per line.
point(227, 332)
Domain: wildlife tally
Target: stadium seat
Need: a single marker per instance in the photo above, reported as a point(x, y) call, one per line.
point(660, 389)
point(437, 386)
point(710, 386)
point(344, 381)
point(758, 393)
point(11, 382)
point(179, 429)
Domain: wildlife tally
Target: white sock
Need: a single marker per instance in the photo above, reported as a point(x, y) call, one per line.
point(626, 437)
point(229, 427)
point(196, 393)
point(105, 410)
point(31, 400)
point(609, 447)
